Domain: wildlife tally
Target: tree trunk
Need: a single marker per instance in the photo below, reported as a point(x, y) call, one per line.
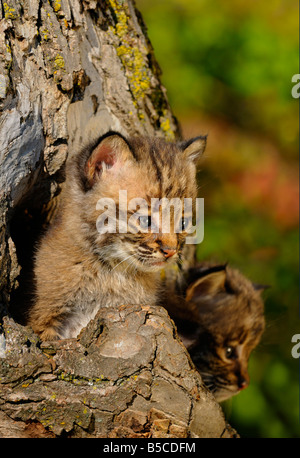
point(69, 71)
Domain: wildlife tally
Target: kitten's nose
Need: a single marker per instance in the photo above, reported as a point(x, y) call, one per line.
point(168, 252)
point(243, 383)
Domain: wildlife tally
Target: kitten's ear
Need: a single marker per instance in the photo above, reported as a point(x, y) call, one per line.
point(194, 148)
point(188, 331)
point(260, 288)
point(112, 149)
point(209, 284)
point(188, 339)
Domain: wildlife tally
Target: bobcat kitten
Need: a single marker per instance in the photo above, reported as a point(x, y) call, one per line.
point(220, 318)
point(78, 268)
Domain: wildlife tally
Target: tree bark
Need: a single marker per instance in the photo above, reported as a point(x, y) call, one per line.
point(127, 375)
point(69, 71)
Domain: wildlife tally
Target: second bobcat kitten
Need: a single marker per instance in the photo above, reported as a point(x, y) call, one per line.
point(219, 315)
point(77, 269)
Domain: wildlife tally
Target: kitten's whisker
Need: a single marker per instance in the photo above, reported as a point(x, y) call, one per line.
point(130, 256)
point(131, 262)
point(205, 374)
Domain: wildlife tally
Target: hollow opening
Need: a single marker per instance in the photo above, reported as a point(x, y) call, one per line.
point(29, 221)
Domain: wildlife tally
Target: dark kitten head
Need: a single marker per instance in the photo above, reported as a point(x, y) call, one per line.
point(115, 182)
point(226, 321)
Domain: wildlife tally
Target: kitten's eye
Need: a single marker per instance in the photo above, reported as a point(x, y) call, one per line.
point(229, 352)
point(145, 221)
point(185, 222)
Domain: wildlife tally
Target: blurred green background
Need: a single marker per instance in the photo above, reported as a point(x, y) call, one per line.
point(227, 66)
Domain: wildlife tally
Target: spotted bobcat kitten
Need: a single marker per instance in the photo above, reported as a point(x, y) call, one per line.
point(78, 268)
point(219, 316)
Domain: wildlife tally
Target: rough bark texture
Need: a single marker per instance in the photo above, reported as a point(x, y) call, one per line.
point(69, 71)
point(126, 375)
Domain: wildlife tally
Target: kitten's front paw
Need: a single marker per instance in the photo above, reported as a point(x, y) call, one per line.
point(49, 334)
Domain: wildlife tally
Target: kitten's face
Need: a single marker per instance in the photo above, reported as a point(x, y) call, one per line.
point(223, 361)
point(130, 174)
point(230, 322)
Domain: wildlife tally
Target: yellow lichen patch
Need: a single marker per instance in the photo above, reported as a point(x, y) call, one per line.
point(137, 71)
point(122, 24)
point(45, 34)
point(131, 56)
point(9, 12)
point(56, 6)
point(165, 125)
point(59, 62)
point(8, 55)
point(121, 28)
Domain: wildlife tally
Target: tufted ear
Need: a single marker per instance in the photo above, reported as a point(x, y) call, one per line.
point(112, 150)
point(260, 288)
point(194, 148)
point(188, 339)
point(209, 284)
